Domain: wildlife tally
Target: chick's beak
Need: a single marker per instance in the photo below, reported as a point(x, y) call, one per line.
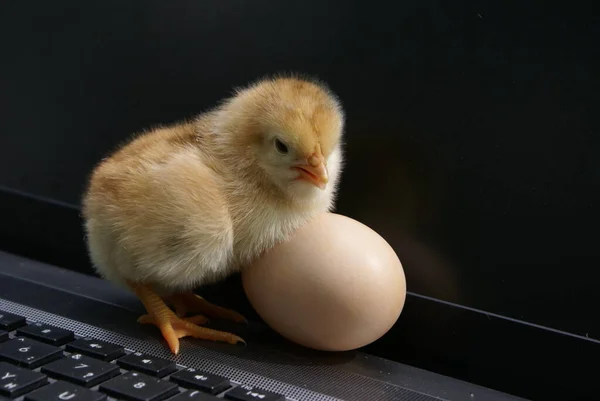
point(314, 170)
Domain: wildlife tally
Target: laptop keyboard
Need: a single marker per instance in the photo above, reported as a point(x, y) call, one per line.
point(39, 362)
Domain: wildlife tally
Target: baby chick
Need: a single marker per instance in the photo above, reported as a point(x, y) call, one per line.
point(186, 205)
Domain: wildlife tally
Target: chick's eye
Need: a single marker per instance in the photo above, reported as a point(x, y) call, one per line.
point(281, 147)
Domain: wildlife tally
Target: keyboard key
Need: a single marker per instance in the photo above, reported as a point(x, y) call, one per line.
point(247, 393)
point(10, 322)
point(28, 353)
point(97, 349)
point(194, 395)
point(3, 336)
point(207, 382)
point(81, 370)
point(62, 391)
point(16, 381)
point(135, 386)
point(46, 333)
point(147, 364)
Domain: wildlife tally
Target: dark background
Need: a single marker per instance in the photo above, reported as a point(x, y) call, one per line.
point(472, 136)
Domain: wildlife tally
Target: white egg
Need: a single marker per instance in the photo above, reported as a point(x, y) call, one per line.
point(335, 285)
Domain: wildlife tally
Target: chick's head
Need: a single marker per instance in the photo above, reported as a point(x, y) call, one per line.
point(291, 131)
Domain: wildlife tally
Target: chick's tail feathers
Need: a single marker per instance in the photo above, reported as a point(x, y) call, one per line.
point(174, 327)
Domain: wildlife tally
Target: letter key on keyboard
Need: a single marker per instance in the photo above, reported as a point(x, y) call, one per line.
point(97, 349)
point(62, 391)
point(247, 393)
point(147, 364)
point(135, 386)
point(28, 353)
point(16, 381)
point(192, 378)
point(194, 395)
point(46, 333)
point(3, 336)
point(10, 322)
point(81, 370)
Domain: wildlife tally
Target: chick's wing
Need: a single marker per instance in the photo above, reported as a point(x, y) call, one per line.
point(160, 217)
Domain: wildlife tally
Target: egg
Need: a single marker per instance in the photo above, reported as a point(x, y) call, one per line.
point(334, 285)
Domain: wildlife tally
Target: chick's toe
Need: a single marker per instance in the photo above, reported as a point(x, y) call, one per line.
point(174, 327)
point(191, 303)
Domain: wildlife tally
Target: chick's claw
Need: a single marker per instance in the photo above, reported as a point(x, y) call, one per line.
point(173, 328)
point(190, 302)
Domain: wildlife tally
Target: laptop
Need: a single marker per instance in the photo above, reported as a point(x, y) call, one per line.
point(471, 148)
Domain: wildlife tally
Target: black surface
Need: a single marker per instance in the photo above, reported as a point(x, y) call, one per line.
point(472, 140)
point(97, 349)
point(10, 321)
point(134, 386)
point(28, 353)
point(267, 361)
point(16, 381)
point(246, 393)
point(3, 336)
point(147, 364)
point(195, 379)
point(81, 370)
point(194, 395)
point(47, 334)
point(60, 390)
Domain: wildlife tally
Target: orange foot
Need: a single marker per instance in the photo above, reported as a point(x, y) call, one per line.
point(174, 327)
point(190, 302)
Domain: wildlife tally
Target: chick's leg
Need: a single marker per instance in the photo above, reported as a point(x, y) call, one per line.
point(190, 302)
point(173, 327)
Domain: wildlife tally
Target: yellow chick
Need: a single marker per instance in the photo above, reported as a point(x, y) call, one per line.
point(186, 205)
